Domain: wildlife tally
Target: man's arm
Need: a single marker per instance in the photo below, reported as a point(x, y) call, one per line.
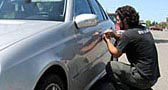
point(112, 49)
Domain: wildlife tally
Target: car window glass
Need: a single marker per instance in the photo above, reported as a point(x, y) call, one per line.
point(96, 10)
point(103, 12)
point(22, 10)
point(82, 7)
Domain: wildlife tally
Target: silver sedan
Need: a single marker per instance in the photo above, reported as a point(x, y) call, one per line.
point(52, 44)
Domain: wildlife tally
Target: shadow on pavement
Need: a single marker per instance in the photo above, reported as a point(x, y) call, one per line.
point(161, 41)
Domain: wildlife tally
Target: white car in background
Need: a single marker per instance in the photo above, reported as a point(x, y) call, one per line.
point(52, 44)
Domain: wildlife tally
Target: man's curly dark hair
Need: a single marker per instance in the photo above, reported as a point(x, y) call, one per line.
point(128, 15)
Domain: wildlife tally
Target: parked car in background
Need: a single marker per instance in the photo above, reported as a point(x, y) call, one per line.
point(155, 28)
point(52, 44)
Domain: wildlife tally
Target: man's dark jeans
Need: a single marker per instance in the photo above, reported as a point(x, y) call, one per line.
point(126, 76)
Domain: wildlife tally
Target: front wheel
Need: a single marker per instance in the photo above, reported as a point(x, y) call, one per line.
point(51, 82)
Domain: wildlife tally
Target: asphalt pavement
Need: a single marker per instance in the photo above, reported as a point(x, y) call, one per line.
point(161, 40)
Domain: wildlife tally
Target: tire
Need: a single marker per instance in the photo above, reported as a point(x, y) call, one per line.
point(50, 82)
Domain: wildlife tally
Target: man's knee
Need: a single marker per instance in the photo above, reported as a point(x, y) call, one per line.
point(115, 66)
point(112, 67)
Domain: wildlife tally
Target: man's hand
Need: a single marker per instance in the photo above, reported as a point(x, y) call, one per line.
point(112, 49)
point(109, 33)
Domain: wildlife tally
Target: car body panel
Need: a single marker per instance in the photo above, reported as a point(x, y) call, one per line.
point(19, 30)
point(35, 47)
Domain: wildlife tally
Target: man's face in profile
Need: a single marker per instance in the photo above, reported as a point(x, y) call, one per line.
point(119, 25)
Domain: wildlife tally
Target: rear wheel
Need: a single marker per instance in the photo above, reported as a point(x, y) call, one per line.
point(51, 82)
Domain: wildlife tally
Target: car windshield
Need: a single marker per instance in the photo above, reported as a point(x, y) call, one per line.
point(52, 10)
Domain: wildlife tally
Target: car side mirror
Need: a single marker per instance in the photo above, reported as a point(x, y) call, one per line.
point(86, 20)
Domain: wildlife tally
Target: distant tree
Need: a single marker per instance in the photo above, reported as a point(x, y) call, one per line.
point(163, 25)
point(156, 24)
point(160, 25)
point(153, 23)
point(148, 23)
point(167, 25)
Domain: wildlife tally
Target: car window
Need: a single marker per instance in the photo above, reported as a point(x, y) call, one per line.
point(20, 9)
point(96, 10)
point(82, 7)
point(103, 12)
point(112, 17)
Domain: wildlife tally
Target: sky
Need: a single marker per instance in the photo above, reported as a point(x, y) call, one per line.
point(154, 10)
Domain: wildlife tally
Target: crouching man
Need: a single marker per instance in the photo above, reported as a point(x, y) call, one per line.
point(138, 44)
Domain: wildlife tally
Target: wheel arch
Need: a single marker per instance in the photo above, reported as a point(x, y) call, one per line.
point(58, 70)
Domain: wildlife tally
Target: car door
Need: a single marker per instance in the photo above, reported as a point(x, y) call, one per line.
point(80, 64)
point(102, 54)
point(89, 49)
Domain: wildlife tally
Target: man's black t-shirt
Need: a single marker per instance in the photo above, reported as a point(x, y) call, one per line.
point(139, 46)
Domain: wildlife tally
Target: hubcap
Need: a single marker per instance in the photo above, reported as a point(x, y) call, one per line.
point(53, 86)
